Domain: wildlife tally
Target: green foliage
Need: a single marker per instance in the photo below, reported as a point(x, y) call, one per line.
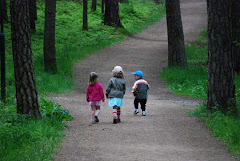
point(51, 110)
point(31, 139)
point(224, 127)
point(191, 81)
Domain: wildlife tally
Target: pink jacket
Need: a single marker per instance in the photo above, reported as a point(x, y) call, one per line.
point(95, 92)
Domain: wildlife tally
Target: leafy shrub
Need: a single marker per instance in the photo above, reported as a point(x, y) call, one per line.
point(52, 110)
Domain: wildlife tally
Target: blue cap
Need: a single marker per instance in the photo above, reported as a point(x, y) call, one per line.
point(139, 73)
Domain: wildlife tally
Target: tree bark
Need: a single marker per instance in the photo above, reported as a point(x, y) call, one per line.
point(3, 9)
point(26, 90)
point(94, 5)
point(85, 15)
point(111, 17)
point(103, 1)
point(50, 64)
point(235, 19)
point(176, 46)
point(221, 88)
point(32, 13)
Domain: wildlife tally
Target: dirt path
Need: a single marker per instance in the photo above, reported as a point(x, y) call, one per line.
point(167, 133)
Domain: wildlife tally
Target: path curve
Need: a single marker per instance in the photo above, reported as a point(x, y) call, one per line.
point(167, 133)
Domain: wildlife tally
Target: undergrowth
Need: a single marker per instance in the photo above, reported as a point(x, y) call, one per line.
point(192, 82)
point(23, 138)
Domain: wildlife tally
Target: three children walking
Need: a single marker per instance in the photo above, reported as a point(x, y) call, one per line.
point(115, 92)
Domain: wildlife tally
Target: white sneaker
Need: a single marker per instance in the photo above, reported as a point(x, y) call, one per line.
point(94, 121)
point(136, 111)
point(144, 113)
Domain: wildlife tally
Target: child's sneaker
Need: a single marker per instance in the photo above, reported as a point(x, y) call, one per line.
point(94, 121)
point(118, 120)
point(144, 113)
point(96, 118)
point(114, 121)
point(136, 111)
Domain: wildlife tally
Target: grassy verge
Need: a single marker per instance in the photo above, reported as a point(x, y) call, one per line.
point(192, 82)
point(22, 138)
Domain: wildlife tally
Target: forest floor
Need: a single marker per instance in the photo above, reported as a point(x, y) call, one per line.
point(166, 133)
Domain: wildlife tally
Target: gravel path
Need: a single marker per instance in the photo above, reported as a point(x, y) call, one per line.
point(167, 133)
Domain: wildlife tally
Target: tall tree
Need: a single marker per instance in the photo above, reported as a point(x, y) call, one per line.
point(94, 5)
point(103, 1)
point(111, 17)
point(33, 14)
point(85, 15)
point(50, 64)
point(26, 90)
point(221, 88)
point(4, 7)
point(176, 47)
point(235, 19)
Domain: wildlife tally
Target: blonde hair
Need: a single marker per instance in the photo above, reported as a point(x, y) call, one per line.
point(118, 75)
point(92, 78)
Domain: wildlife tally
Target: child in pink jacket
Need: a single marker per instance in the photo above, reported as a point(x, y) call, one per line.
point(94, 96)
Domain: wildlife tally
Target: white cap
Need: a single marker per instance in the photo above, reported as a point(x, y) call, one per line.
point(117, 69)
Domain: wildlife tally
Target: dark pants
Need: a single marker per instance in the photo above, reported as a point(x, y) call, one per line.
point(142, 103)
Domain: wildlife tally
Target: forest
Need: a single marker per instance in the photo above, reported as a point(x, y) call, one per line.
point(42, 41)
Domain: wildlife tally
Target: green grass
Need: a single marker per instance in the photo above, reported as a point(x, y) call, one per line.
point(192, 82)
point(22, 138)
point(224, 127)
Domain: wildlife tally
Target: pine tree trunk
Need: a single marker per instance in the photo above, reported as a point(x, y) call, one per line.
point(5, 16)
point(35, 9)
point(32, 13)
point(50, 64)
point(235, 19)
point(221, 88)
point(111, 17)
point(94, 5)
point(103, 1)
point(26, 91)
point(176, 47)
point(85, 19)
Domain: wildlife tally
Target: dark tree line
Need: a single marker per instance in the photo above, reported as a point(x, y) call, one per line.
point(223, 49)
